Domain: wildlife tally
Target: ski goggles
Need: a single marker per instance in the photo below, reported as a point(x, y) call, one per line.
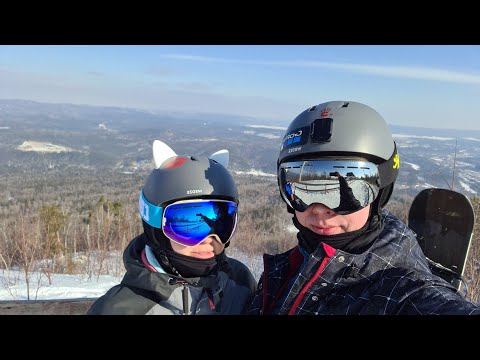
point(188, 222)
point(343, 186)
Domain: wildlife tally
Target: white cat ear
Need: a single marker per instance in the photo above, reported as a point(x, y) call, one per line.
point(221, 156)
point(161, 152)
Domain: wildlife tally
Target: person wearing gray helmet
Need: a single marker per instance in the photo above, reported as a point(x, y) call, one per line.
point(178, 265)
point(353, 256)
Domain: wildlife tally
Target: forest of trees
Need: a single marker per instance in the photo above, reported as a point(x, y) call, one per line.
point(80, 222)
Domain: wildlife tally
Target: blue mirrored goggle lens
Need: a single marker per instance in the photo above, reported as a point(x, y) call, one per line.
point(189, 222)
point(343, 186)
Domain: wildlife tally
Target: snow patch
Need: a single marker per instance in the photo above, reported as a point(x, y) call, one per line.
point(268, 136)
point(422, 137)
point(254, 173)
point(267, 127)
point(414, 166)
point(292, 229)
point(265, 135)
point(44, 147)
point(467, 187)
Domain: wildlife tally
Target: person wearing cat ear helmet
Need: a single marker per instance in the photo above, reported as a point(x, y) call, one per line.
point(178, 265)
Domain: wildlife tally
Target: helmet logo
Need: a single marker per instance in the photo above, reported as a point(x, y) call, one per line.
point(325, 112)
point(293, 137)
point(295, 149)
point(189, 192)
point(396, 161)
point(143, 208)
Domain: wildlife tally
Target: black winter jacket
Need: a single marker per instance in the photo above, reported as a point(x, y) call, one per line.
point(392, 277)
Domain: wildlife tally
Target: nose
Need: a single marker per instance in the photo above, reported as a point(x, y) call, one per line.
point(320, 209)
point(207, 240)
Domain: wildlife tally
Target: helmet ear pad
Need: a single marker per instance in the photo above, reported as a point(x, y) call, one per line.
point(381, 200)
point(385, 194)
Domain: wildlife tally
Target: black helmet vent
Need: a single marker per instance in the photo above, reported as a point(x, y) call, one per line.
point(345, 105)
point(312, 108)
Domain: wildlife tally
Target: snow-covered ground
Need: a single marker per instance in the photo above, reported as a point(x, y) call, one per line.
point(14, 287)
point(63, 286)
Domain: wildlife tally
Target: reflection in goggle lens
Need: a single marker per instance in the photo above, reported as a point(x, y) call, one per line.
point(189, 222)
point(343, 186)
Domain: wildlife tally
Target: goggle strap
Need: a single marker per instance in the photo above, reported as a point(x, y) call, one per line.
point(150, 213)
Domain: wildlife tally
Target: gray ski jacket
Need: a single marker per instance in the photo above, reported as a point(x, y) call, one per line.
point(145, 292)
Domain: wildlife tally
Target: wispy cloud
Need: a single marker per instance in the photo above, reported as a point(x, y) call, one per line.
point(412, 72)
point(159, 71)
point(96, 73)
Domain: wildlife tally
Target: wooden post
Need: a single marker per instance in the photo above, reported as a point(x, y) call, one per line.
point(46, 307)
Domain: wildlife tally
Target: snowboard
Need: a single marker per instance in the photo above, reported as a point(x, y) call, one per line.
point(443, 221)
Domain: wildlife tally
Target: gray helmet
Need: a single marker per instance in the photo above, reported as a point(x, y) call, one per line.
point(187, 177)
point(342, 129)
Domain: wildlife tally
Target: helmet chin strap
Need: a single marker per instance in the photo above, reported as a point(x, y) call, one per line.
point(184, 266)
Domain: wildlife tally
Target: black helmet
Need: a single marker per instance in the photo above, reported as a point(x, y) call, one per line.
point(188, 177)
point(181, 178)
point(343, 129)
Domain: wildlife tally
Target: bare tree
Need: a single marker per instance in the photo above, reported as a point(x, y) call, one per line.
point(28, 246)
point(472, 269)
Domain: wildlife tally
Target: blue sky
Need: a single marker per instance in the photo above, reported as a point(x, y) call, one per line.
point(424, 86)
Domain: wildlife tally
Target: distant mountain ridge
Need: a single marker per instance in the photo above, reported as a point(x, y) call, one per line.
point(455, 133)
point(119, 140)
point(71, 116)
point(11, 109)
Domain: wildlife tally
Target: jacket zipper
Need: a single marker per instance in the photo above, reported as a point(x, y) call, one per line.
point(185, 298)
point(173, 281)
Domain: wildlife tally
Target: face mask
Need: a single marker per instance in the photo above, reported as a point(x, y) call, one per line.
point(184, 266)
point(352, 242)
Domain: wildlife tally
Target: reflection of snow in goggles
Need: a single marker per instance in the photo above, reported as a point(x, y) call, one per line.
point(343, 186)
point(188, 222)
